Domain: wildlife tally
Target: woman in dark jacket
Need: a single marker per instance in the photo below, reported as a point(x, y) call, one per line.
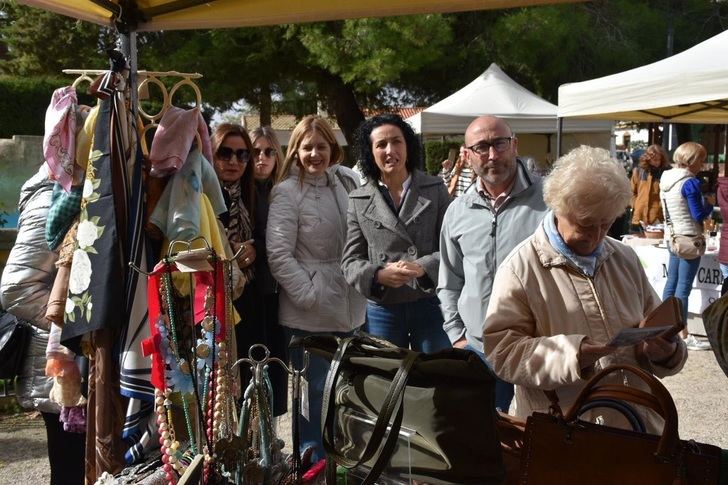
point(24, 292)
point(392, 253)
point(246, 183)
point(267, 156)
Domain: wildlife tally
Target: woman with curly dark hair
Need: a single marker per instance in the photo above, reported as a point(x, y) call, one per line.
point(392, 250)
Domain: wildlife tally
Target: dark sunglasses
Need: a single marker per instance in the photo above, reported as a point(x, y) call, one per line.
point(226, 154)
point(268, 152)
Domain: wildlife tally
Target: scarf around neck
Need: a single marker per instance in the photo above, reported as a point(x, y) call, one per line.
point(239, 228)
point(587, 264)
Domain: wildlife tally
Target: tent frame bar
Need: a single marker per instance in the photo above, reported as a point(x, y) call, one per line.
point(721, 104)
point(173, 6)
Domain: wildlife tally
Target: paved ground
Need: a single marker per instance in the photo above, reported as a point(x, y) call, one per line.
point(700, 393)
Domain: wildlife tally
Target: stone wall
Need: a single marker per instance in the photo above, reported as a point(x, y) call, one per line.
point(7, 239)
point(20, 158)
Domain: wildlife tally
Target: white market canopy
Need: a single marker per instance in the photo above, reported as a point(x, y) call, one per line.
point(689, 87)
point(149, 15)
point(495, 93)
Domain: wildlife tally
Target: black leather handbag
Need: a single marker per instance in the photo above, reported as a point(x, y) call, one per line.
point(413, 416)
point(14, 335)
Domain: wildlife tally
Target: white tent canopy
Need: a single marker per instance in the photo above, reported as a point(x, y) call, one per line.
point(689, 87)
point(493, 92)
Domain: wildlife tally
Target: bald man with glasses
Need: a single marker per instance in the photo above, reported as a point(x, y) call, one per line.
point(502, 208)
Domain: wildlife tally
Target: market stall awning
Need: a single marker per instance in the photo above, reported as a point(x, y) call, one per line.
point(149, 15)
point(495, 93)
point(689, 87)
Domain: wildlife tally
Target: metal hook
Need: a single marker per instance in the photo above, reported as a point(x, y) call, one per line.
point(254, 363)
point(188, 244)
point(138, 269)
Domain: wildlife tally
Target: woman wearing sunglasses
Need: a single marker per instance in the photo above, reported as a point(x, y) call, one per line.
point(265, 160)
point(232, 158)
point(305, 239)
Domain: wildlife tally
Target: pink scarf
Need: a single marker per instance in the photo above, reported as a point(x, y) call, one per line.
point(173, 140)
point(59, 141)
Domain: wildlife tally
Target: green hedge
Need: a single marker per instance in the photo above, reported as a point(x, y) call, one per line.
point(435, 152)
point(23, 103)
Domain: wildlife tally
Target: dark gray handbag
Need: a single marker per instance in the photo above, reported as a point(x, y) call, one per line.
point(445, 399)
point(14, 335)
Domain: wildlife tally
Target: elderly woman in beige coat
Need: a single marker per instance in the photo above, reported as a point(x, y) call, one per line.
point(565, 292)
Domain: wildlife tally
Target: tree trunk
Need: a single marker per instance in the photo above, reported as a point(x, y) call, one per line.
point(264, 105)
point(342, 101)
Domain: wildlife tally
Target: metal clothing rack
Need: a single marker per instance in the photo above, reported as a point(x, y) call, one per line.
point(148, 121)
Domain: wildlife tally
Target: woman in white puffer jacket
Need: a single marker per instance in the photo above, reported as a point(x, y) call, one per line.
point(24, 291)
point(305, 239)
point(684, 208)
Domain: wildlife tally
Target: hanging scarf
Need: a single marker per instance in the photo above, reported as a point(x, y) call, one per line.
point(239, 228)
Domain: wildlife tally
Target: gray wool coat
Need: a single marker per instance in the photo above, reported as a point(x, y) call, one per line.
point(376, 235)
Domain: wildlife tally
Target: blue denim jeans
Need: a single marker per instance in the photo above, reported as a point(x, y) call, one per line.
point(318, 367)
point(416, 325)
point(504, 391)
point(680, 276)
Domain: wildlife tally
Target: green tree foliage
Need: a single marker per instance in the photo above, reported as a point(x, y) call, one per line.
point(23, 104)
point(435, 152)
point(339, 66)
point(343, 66)
point(43, 43)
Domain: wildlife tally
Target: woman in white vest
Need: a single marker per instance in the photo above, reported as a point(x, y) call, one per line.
point(685, 209)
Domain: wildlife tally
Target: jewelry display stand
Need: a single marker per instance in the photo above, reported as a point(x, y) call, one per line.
point(213, 442)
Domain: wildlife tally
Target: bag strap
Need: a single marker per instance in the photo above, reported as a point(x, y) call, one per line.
point(348, 184)
point(668, 220)
point(391, 402)
point(630, 414)
point(392, 405)
point(658, 399)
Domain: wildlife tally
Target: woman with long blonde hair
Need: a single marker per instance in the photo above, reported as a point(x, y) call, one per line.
point(305, 239)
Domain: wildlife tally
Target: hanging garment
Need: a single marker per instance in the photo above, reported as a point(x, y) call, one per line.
point(173, 140)
point(177, 213)
point(59, 140)
point(65, 206)
point(96, 271)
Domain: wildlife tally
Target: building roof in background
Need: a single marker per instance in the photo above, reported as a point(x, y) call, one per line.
point(285, 122)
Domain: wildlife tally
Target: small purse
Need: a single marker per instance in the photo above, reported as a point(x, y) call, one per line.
point(14, 335)
point(687, 247)
point(684, 247)
point(563, 449)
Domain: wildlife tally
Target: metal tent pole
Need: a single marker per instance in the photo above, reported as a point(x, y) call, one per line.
point(559, 129)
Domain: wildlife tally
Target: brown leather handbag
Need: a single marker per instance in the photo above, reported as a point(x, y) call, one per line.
point(562, 449)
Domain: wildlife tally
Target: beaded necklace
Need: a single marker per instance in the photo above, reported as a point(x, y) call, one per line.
point(173, 374)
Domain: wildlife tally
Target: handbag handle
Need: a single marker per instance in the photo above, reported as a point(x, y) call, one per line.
point(658, 399)
point(620, 406)
point(392, 404)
